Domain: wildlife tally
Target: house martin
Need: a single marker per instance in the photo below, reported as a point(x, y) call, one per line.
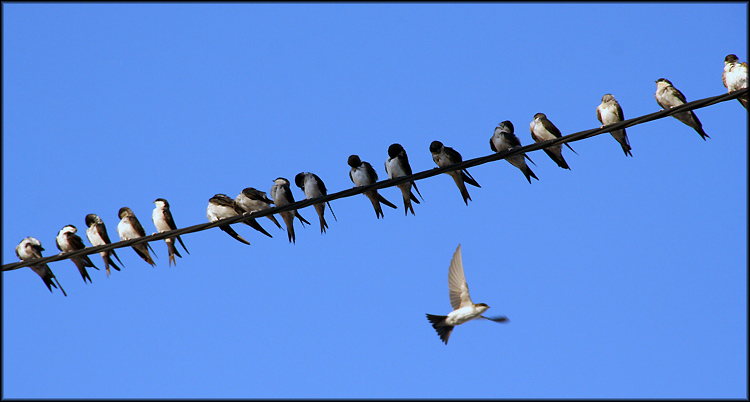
point(97, 235)
point(251, 200)
point(130, 228)
point(164, 222)
point(313, 187)
point(362, 174)
point(30, 248)
point(281, 194)
point(610, 112)
point(67, 240)
point(543, 130)
point(667, 96)
point(464, 309)
point(397, 165)
point(734, 77)
point(446, 156)
point(503, 139)
point(220, 206)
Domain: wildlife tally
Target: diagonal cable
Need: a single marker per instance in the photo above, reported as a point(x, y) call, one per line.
point(577, 136)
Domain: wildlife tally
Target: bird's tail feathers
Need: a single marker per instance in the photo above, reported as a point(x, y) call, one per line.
point(152, 250)
point(469, 179)
point(273, 219)
point(146, 257)
point(384, 201)
point(529, 174)
point(183, 245)
point(255, 225)
point(571, 148)
point(302, 220)
point(231, 232)
point(329, 207)
point(320, 209)
point(438, 322)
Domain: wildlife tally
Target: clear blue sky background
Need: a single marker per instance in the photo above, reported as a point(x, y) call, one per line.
point(623, 277)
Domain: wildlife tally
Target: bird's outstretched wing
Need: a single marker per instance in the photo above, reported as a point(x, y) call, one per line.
point(458, 289)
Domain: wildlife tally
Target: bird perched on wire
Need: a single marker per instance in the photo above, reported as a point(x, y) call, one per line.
point(543, 130)
point(220, 206)
point(397, 165)
point(251, 200)
point(97, 235)
point(313, 187)
point(164, 222)
point(735, 77)
point(445, 156)
point(503, 139)
point(667, 96)
point(610, 112)
point(67, 240)
point(281, 194)
point(464, 310)
point(362, 174)
point(30, 248)
point(130, 228)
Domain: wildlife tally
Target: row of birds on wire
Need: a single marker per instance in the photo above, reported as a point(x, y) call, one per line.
point(250, 200)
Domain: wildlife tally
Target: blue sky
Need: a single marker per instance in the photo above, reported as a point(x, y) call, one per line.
point(623, 277)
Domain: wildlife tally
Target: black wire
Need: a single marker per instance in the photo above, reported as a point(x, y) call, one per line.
point(697, 104)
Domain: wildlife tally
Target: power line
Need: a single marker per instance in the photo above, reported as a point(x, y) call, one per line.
point(697, 104)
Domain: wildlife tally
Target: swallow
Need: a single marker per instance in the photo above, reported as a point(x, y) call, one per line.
point(446, 156)
point(221, 206)
point(362, 174)
point(67, 240)
point(503, 139)
point(97, 234)
point(251, 200)
point(667, 96)
point(543, 130)
point(281, 194)
point(164, 222)
point(130, 228)
point(397, 165)
point(734, 77)
point(610, 112)
point(313, 187)
point(464, 309)
point(30, 248)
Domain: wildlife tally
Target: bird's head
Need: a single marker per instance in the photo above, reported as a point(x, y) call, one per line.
point(354, 161)
point(394, 150)
point(436, 146)
point(299, 180)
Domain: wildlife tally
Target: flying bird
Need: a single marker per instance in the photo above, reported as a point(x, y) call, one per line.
point(464, 309)
point(503, 139)
point(734, 77)
point(164, 222)
point(281, 194)
point(220, 206)
point(313, 187)
point(130, 228)
point(667, 96)
point(67, 240)
point(610, 112)
point(397, 165)
point(30, 248)
point(97, 234)
point(362, 174)
point(251, 200)
point(446, 156)
point(543, 130)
